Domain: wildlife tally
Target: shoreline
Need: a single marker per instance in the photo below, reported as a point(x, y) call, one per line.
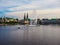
point(23, 24)
point(8, 24)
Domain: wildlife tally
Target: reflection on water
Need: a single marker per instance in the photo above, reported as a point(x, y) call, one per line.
point(30, 35)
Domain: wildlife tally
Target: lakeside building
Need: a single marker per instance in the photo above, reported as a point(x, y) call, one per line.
point(10, 19)
point(26, 20)
point(7, 20)
point(38, 21)
point(48, 21)
point(58, 21)
point(45, 21)
point(1, 20)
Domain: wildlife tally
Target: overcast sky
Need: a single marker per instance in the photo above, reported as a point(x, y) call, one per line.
point(35, 8)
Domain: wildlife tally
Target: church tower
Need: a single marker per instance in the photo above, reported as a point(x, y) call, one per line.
point(26, 19)
point(27, 16)
point(24, 16)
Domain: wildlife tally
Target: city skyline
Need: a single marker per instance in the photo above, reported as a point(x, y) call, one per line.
point(35, 8)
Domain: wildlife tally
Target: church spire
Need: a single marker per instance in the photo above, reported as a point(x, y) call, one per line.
point(24, 16)
point(27, 15)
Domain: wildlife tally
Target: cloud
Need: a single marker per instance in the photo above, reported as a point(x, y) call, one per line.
point(34, 3)
point(9, 3)
point(47, 13)
point(18, 7)
point(37, 4)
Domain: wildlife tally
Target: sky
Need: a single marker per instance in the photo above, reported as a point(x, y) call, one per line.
point(35, 8)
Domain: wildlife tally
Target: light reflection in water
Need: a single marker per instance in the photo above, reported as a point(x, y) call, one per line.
point(28, 35)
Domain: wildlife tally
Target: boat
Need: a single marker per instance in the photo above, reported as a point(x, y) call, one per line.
point(18, 27)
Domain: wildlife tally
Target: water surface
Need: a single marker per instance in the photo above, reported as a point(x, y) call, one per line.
point(30, 35)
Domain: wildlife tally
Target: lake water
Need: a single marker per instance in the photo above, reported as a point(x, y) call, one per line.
point(30, 35)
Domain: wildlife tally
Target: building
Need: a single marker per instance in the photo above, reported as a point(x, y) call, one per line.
point(50, 21)
point(7, 20)
point(26, 19)
point(38, 21)
point(1, 20)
